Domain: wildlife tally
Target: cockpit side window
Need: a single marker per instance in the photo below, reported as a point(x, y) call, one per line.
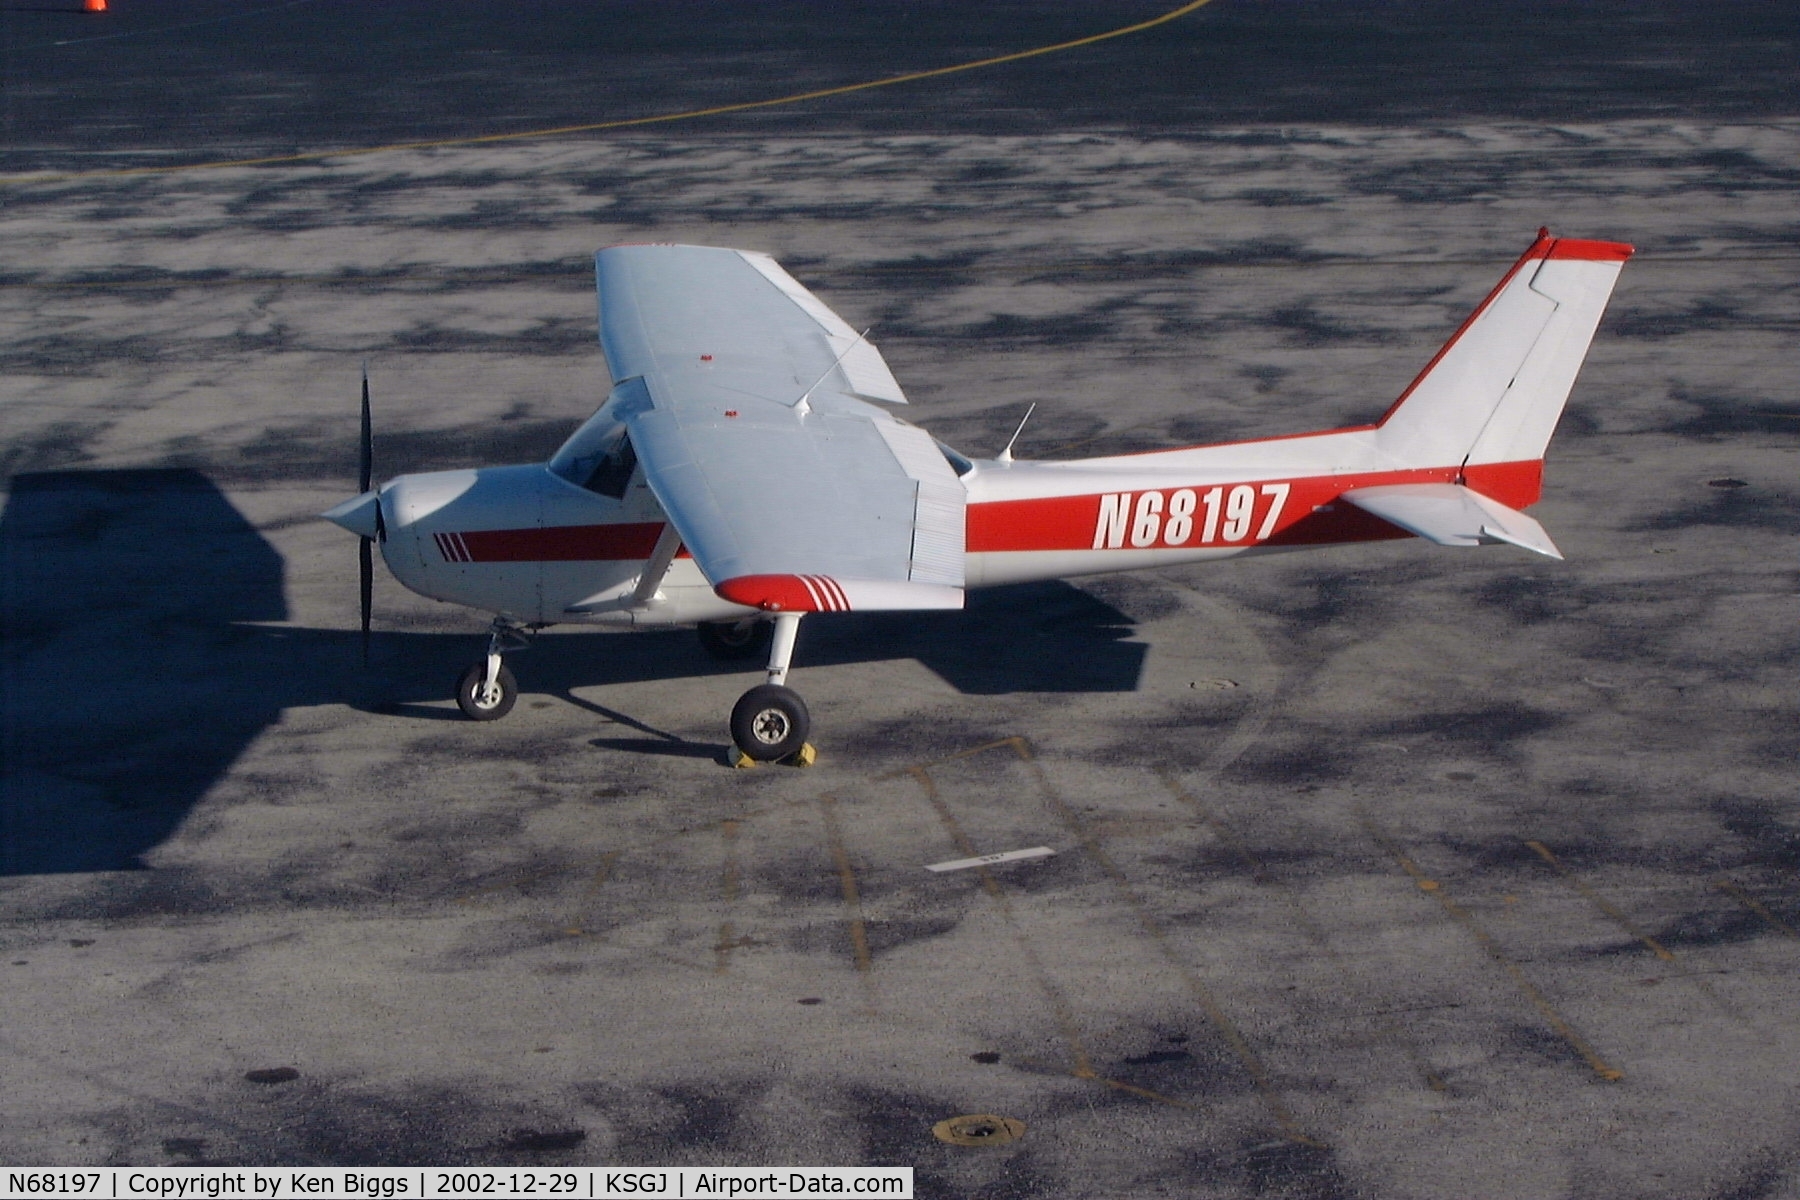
point(613, 472)
point(599, 456)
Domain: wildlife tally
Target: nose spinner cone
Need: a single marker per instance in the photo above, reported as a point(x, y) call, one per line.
point(359, 514)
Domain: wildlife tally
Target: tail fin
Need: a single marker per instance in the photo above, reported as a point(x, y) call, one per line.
point(1494, 392)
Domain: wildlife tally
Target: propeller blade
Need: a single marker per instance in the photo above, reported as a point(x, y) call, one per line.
point(365, 551)
point(366, 577)
point(366, 472)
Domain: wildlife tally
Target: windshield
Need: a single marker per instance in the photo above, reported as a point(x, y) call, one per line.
point(599, 455)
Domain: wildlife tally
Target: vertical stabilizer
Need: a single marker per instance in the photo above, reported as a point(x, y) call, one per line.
point(1494, 393)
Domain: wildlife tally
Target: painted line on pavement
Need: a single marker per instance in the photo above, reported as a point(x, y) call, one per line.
point(853, 911)
point(1617, 917)
point(1314, 931)
point(1756, 906)
point(1463, 917)
point(988, 860)
point(1196, 987)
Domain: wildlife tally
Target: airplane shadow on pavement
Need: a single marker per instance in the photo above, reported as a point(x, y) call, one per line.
point(132, 674)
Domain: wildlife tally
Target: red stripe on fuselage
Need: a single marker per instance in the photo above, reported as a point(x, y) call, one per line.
point(1514, 484)
point(564, 543)
point(1069, 522)
point(1050, 523)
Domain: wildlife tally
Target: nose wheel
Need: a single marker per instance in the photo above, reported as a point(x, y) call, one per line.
point(482, 699)
point(487, 690)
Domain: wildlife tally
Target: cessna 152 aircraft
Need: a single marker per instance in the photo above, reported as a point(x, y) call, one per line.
point(742, 474)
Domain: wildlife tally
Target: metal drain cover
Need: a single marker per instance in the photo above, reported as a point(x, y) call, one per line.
point(982, 1129)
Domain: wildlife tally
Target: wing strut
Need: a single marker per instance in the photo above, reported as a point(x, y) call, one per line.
point(668, 545)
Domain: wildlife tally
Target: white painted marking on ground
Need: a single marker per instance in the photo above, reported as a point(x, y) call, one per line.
point(988, 860)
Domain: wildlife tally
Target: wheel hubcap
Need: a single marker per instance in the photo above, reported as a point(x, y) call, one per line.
point(771, 726)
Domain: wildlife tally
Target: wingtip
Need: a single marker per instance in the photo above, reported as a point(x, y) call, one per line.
point(785, 593)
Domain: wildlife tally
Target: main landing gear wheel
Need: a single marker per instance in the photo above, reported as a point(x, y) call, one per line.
point(482, 703)
point(729, 641)
point(770, 722)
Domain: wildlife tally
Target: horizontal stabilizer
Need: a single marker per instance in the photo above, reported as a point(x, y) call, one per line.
point(1452, 515)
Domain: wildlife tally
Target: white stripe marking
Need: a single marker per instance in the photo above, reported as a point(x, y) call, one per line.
point(988, 860)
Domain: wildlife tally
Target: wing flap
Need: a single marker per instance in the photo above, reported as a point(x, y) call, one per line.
point(813, 495)
point(939, 519)
point(1452, 515)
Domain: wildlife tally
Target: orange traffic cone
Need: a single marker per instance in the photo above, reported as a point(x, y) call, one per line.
point(93, 6)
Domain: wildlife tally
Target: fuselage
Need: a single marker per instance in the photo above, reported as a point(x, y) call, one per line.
point(529, 544)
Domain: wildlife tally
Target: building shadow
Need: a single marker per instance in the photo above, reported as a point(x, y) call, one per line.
point(141, 653)
point(121, 694)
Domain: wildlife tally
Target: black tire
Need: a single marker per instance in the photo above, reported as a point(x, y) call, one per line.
point(770, 722)
point(468, 687)
point(732, 641)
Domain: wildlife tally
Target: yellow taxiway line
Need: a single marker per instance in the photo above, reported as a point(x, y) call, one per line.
point(1462, 916)
point(631, 122)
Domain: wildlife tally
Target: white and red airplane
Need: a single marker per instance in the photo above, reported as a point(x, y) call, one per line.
point(742, 474)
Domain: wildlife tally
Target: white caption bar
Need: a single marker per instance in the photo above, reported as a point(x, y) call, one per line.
point(988, 860)
point(434, 1183)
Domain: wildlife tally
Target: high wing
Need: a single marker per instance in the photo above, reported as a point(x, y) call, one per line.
point(747, 403)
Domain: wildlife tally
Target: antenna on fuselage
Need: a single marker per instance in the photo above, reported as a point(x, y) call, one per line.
point(800, 405)
point(1005, 455)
